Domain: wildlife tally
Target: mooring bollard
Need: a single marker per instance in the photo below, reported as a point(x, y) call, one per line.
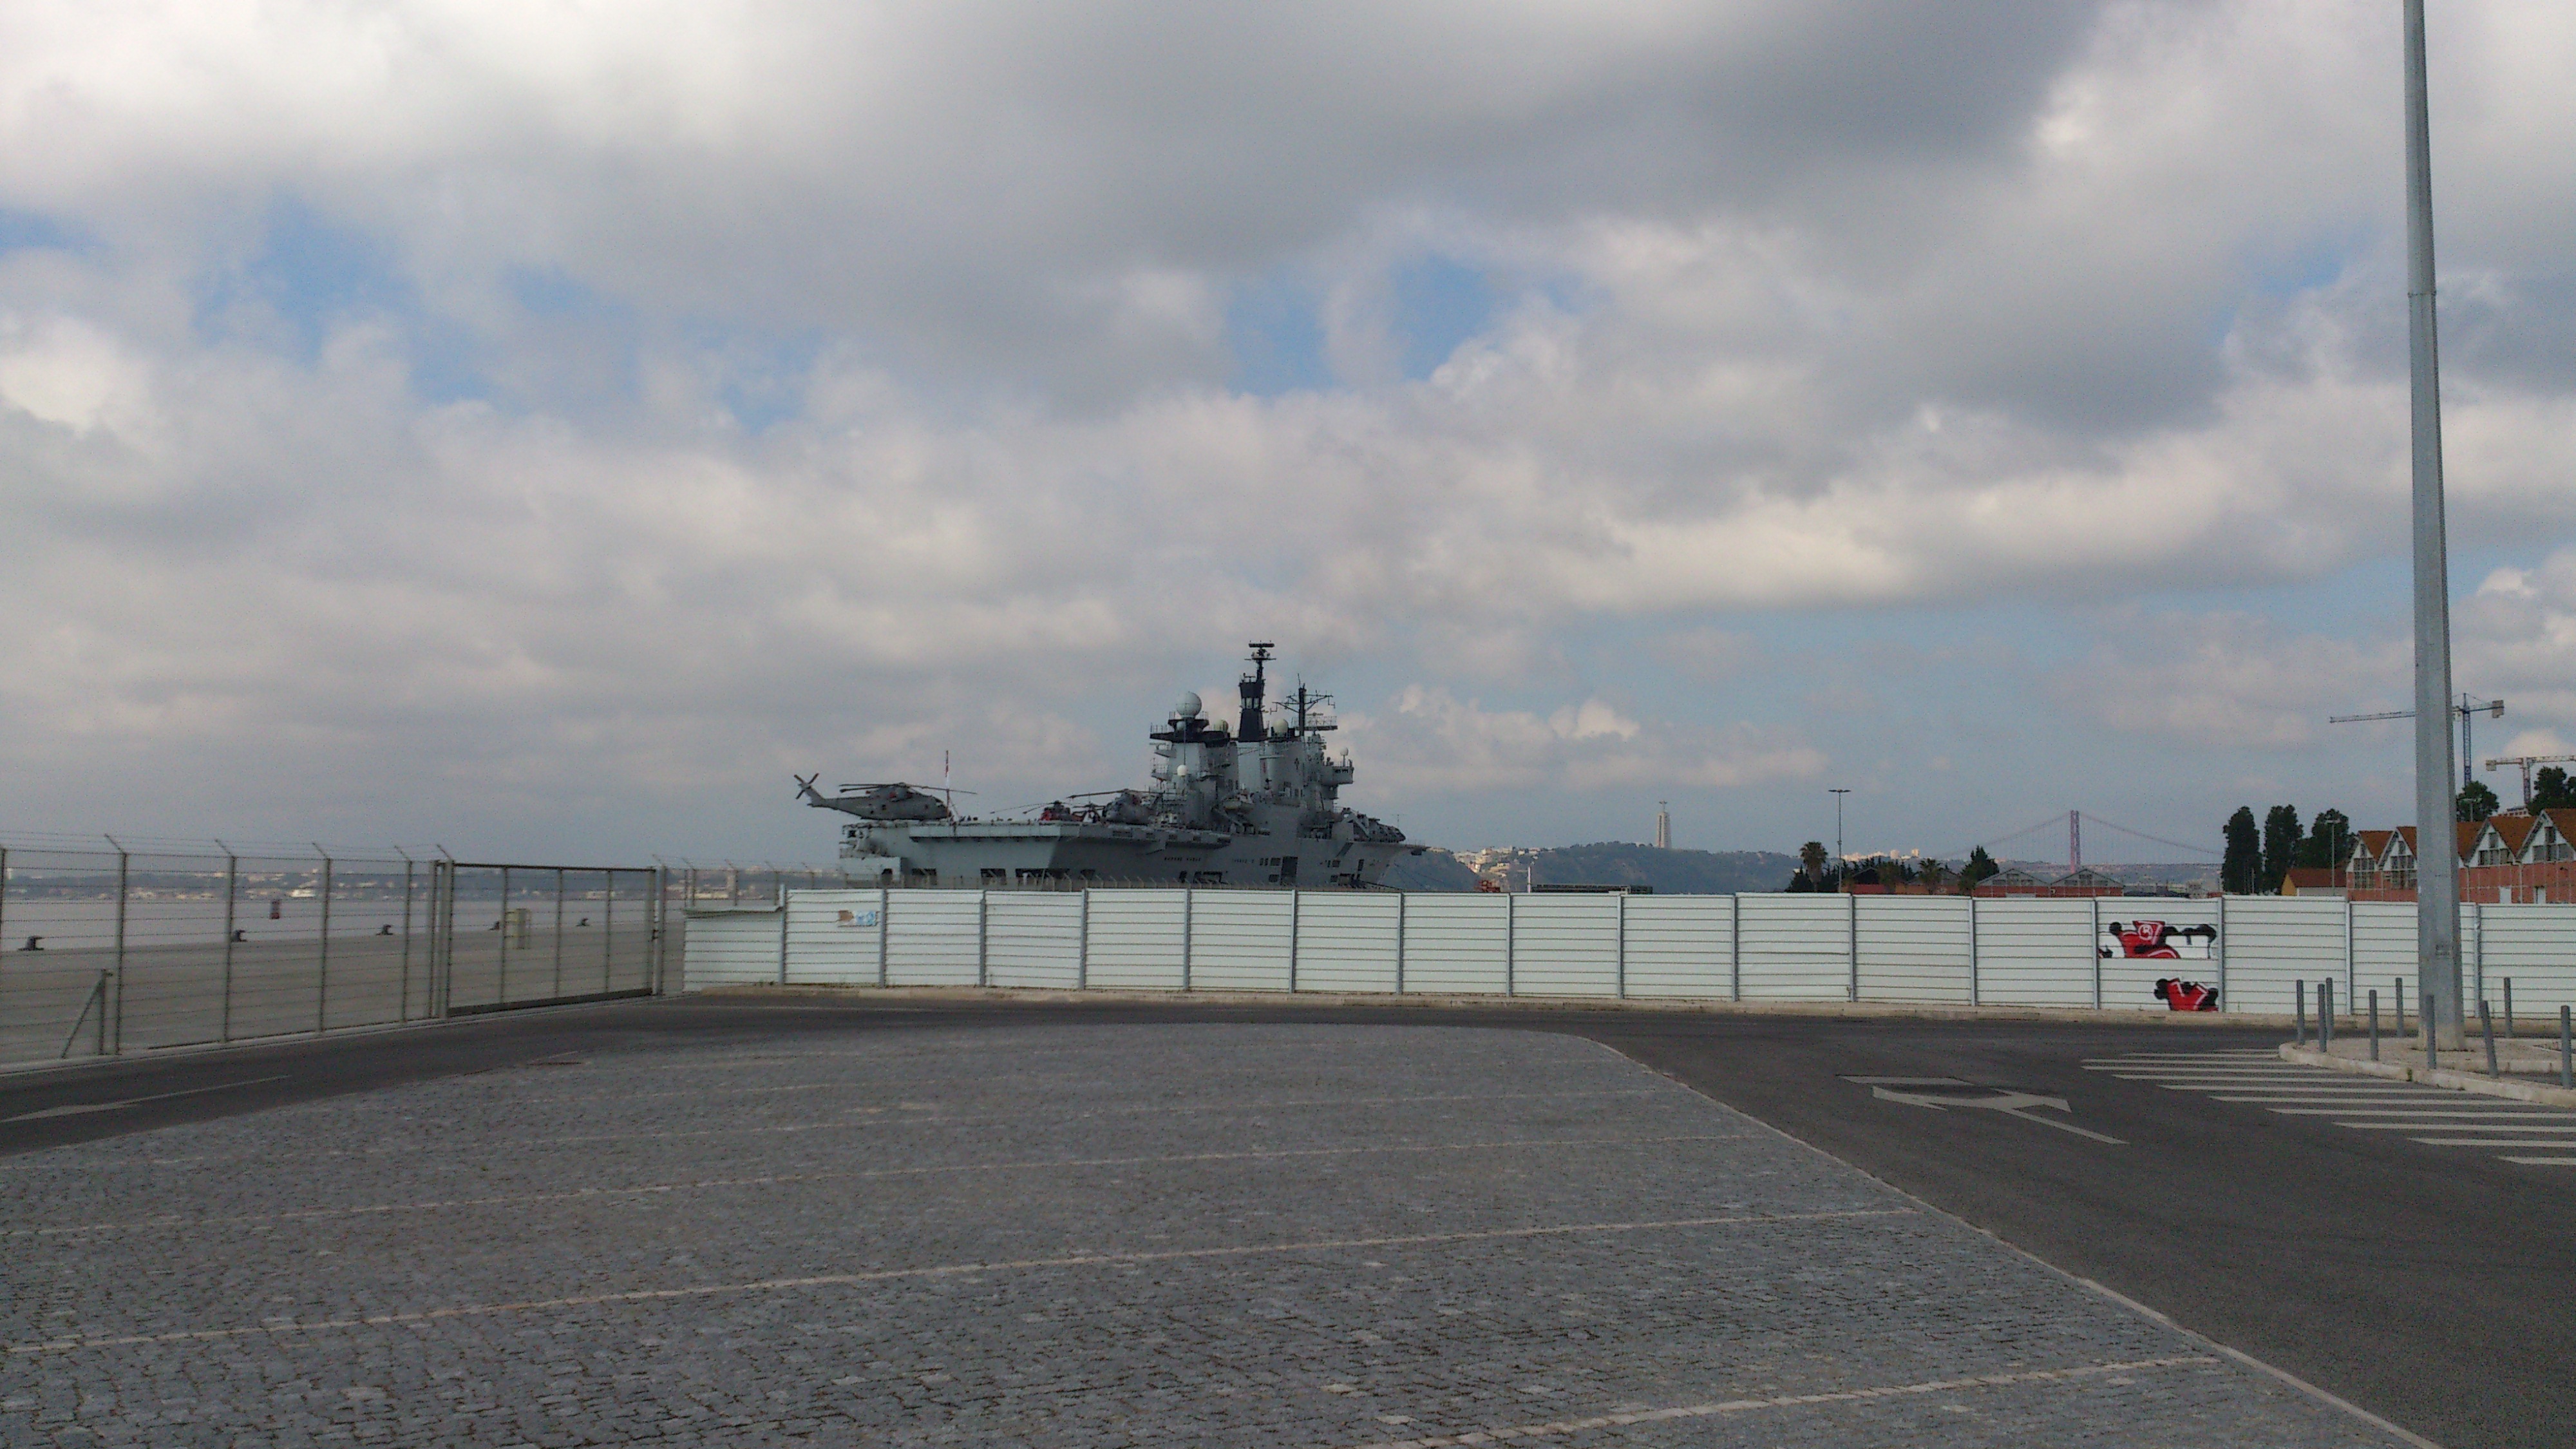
point(2566, 1052)
point(2486, 1028)
point(2432, 1050)
point(2302, 988)
point(2374, 1023)
point(2325, 1016)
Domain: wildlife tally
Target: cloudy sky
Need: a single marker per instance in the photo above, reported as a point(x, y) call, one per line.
point(542, 427)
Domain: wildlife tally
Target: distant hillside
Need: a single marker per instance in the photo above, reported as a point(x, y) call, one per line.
point(1670, 872)
point(1433, 870)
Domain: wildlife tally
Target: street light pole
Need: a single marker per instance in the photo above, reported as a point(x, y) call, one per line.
point(1841, 869)
point(2437, 876)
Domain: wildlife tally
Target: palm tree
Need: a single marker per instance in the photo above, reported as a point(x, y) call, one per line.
point(1811, 859)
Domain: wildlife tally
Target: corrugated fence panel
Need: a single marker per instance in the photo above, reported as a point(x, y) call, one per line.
point(1455, 944)
point(2276, 942)
point(2536, 946)
point(1033, 939)
point(1566, 946)
point(1346, 941)
point(2383, 949)
point(729, 948)
point(1136, 939)
point(832, 937)
point(1796, 948)
point(1239, 940)
point(2187, 928)
point(1913, 948)
point(930, 937)
point(1681, 946)
point(2034, 952)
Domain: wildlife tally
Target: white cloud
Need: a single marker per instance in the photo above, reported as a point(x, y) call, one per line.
point(664, 394)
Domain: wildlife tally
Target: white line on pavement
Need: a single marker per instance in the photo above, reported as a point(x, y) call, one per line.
point(1562, 1427)
point(657, 1188)
point(945, 1270)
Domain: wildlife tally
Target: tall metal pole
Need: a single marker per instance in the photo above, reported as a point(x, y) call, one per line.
point(2437, 876)
point(1838, 792)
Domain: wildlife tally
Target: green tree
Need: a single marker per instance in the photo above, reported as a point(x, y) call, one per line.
point(1980, 866)
point(2552, 790)
point(2477, 802)
point(2329, 842)
point(2240, 871)
point(2280, 844)
point(1811, 863)
point(1934, 875)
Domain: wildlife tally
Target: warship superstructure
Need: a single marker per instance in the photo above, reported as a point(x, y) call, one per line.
point(1255, 805)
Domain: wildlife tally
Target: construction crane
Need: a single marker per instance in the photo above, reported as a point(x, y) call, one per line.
point(2467, 707)
point(2527, 761)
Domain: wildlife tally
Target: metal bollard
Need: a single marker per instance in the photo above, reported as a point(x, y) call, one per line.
point(2508, 1008)
point(2325, 1016)
point(2432, 1051)
point(2566, 1052)
point(2302, 988)
point(2486, 1028)
point(2400, 999)
point(2374, 1023)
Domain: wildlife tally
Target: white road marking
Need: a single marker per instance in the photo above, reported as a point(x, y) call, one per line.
point(2452, 1124)
point(659, 1188)
point(944, 1270)
point(2478, 1142)
point(2544, 1161)
point(1561, 1427)
point(2010, 1104)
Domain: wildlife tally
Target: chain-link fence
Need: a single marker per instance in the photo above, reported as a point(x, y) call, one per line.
point(112, 950)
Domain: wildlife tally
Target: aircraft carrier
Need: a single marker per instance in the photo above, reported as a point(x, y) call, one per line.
point(1255, 805)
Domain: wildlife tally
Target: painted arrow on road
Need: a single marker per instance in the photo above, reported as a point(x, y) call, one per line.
point(2011, 1104)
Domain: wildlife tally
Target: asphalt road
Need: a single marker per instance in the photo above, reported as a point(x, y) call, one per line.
point(2426, 1284)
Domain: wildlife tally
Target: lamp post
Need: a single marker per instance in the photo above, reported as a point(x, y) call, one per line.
point(1840, 871)
point(2437, 876)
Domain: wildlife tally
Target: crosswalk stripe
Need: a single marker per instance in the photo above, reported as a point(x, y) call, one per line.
point(2421, 1126)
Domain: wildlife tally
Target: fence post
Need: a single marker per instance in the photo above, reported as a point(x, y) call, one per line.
point(1974, 996)
point(501, 974)
point(402, 1003)
point(559, 914)
point(1292, 937)
point(1081, 948)
point(4, 899)
point(1620, 982)
point(1403, 901)
point(118, 1036)
point(2478, 923)
point(1735, 946)
point(984, 950)
point(782, 941)
point(1185, 938)
point(2093, 948)
point(1851, 942)
point(232, 896)
point(885, 927)
point(322, 962)
point(2226, 1000)
point(1511, 944)
point(2351, 969)
point(608, 930)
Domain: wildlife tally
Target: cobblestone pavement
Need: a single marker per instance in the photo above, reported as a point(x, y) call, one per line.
point(1056, 1235)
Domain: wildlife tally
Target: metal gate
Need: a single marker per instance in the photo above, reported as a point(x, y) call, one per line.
point(510, 935)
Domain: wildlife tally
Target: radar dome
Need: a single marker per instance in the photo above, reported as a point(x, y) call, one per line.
point(1189, 707)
